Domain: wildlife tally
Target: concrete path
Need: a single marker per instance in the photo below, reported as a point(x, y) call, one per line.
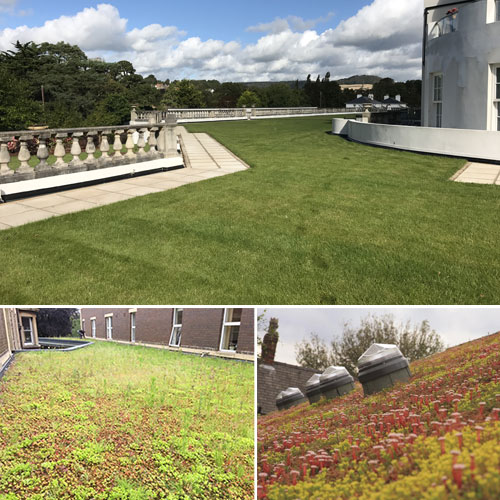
point(204, 157)
point(479, 173)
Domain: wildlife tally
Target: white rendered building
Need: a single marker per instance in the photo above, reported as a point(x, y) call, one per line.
point(461, 64)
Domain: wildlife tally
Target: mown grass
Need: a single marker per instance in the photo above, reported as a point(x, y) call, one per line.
point(317, 220)
point(125, 422)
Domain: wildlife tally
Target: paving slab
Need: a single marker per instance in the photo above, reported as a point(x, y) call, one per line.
point(71, 206)
point(25, 217)
point(44, 201)
point(479, 173)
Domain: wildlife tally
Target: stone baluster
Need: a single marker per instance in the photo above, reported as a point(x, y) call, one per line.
point(104, 159)
point(42, 153)
point(76, 163)
point(24, 171)
point(130, 155)
point(90, 162)
point(133, 114)
point(161, 142)
point(5, 157)
point(59, 151)
point(117, 147)
point(153, 152)
point(141, 142)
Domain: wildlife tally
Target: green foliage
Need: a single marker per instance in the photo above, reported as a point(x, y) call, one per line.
point(98, 438)
point(77, 91)
point(17, 110)
point(183, 94)
point(249, 99)
point(56, 322)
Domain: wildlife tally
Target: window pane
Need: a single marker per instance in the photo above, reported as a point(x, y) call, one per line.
point(175, 339)
point(178, 317)
point(231, 337)
point(234, 315)
point(27, 329)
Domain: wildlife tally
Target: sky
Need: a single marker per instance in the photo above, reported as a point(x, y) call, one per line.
point(265, 40)
point(454, 325)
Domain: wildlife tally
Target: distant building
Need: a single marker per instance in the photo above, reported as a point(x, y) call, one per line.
point(461, 64)
point(274, 377)
point(356, 86)
point(226, 332)
point(160, 86)
point(391, 104)
point(18, 330)
point(364, 103)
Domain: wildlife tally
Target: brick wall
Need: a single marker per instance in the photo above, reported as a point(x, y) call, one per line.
point(201, 328)
point(4, 346)
point(270, 383)
point(246, 338)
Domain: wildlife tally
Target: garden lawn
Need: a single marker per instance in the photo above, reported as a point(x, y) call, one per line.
point(435, 438)
point(126, 422)
point(316, 220)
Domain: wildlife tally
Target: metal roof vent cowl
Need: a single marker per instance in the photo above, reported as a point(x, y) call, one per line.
point(381, 366)
point(313, 390)
point(335, 381)
point(290, 397)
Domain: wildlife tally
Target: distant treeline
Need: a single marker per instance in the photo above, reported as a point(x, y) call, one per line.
point(59, 86)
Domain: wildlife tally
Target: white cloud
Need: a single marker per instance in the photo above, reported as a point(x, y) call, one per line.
point(290, 23)
point(382, 38)
point(7, 4)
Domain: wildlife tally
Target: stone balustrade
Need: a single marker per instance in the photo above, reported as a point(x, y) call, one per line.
point(201, 114)
point(103, 147)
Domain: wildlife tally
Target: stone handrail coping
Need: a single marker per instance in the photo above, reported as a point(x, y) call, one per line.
point(53, 131)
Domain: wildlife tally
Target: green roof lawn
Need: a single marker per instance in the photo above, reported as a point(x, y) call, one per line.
point(316, 220)
point(114, 422)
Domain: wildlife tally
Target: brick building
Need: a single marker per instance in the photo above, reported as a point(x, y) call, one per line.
point(18, 330)
point(227, 332)
point(272, 379)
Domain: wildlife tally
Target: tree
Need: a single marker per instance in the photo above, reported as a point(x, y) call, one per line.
point(227, 94)
point(248, 99)
point(55, 322)
point(17, 109)
point(313, 353)
point(183, 94)
point(414, 341)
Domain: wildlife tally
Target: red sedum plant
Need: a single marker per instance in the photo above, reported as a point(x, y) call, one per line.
point(437, 437)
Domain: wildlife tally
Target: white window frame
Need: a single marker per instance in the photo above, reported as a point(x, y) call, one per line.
point(492, 11)
point(494, 97)
point(437, 100)
point(31, 330)
point(225, 325)
point(108, 322)
point(133, 325)
point(93, 327)
point(176, 326)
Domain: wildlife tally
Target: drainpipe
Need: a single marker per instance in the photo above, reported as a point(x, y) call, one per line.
point(7, 329)
point(20, 328)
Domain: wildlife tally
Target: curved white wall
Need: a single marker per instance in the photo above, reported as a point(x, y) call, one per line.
point(477, 144)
